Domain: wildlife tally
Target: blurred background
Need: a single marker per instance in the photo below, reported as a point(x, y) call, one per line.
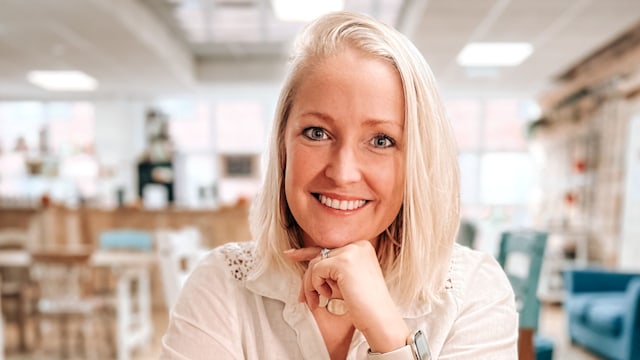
point(131, 135)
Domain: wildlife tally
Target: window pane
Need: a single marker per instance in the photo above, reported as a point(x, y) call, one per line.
point(59, 159)
point(239, 127)
point(189, 125)
point(506, 178)
point(195, 179)
point(468, 178)
point(22, 119)
point(504, 127)
point(71, 127)
point(464, 115)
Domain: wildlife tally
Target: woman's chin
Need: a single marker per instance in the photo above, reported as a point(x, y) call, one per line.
point(330, 242)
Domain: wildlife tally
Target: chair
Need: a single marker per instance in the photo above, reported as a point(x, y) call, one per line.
point(603, 311)
point(66, 299)
point(178, 253)
point(130, 297)
point(19, 291)
point(126, 239)
point(467, 233)
point(521, 254)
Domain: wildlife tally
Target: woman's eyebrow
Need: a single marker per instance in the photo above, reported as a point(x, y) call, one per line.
point(319, 115)
point(372, 122)
point(377, 122)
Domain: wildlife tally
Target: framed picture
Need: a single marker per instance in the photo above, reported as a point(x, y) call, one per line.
point(240, 166)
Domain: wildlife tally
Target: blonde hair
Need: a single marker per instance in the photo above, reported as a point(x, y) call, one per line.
point(415, 250)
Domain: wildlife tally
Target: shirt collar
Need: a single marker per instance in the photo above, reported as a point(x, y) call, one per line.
point(279, 285)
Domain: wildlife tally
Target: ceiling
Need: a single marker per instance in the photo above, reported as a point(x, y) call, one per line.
point(151, 47)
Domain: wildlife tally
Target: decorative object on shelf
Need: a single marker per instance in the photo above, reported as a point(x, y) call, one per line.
point(537, 125)
point(239, 165)
point(146, 171)
point(569, 198)
point(34, 166)
point(159, 148)
point(156, 163)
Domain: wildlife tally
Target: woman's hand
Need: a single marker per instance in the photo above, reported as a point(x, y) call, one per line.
point(352, 273)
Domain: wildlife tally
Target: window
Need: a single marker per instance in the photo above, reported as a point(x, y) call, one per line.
point(47, 148)
point(465, 118)
point(503, 128)
point(217, 146)
point(496, 169)
point(239, 127)
point(506, 178)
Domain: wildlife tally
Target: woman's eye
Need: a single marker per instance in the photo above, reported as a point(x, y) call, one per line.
point(382, 141)
point(315, 133)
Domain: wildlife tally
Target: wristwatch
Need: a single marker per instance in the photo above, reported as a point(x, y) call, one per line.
point(419, 345)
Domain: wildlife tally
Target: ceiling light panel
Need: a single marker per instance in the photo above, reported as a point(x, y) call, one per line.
point(494, 54)
point(304, 10)
point(68, 80)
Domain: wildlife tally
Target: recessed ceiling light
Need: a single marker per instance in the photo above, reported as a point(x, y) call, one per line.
point(67, 80)
point(494, 54)
point(304, 10)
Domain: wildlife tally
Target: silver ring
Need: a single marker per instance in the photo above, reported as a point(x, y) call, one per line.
point(324, 253)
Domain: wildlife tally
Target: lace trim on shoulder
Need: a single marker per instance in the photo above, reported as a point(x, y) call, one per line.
point(239, 257)
point(448, 284)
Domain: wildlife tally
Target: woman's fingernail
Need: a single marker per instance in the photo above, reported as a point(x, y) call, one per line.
point(289, 251)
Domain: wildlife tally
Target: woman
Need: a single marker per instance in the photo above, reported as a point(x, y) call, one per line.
point(354, 229)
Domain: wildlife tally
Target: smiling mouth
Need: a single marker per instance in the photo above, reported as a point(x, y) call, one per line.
point(340, 204)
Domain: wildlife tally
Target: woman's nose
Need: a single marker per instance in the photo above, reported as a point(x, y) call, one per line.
point(344, 167)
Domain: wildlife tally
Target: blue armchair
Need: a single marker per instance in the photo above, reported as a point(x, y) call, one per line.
point(602, 310)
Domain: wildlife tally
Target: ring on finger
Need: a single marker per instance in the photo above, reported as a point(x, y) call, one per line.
point(324, 253)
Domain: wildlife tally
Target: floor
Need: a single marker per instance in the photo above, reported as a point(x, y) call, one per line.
point(552, 325)
point(49, 346)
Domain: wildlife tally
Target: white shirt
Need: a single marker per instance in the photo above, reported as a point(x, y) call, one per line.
point(220, 314)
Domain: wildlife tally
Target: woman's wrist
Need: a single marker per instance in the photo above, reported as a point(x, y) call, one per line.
point(388, 336)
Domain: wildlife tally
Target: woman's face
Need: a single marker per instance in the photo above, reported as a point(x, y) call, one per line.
point(345, 150)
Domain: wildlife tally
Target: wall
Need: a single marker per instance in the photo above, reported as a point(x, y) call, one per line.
point(119, 140)
point(630, 236)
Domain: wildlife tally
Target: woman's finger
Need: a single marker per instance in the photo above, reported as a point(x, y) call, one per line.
point(322, 284)
point(311, 296)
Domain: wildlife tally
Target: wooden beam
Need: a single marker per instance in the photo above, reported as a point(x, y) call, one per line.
point(618, 58)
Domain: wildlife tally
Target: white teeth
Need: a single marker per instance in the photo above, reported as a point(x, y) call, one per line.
point(341, 204)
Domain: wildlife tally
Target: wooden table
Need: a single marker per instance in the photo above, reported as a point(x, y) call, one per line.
point(15, 258)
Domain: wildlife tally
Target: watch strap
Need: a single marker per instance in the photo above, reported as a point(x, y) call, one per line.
point(417, 340)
